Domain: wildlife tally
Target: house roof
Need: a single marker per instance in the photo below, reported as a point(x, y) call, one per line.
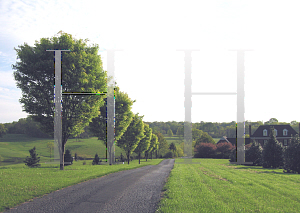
point(279, 128)
point(223, 139)
point(232, 140)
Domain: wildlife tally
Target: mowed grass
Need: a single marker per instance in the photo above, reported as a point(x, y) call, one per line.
point(214, 185)
point(20, 183)
point(14, 148)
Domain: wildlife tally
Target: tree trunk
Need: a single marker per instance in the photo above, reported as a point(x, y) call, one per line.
point(128, 155)
point(151, 155)
point(146, 155)
point(62, 163)
point(139, 158)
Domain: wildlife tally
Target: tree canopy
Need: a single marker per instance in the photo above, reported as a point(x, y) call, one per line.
point(144, 143)
point(123, 117)
point(82, 71)
point(131, 138)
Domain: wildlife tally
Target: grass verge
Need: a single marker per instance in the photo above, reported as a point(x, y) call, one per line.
point(20, 183)
point(217, 186)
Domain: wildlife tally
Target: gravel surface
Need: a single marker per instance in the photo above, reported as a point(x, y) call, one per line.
point(137, 190)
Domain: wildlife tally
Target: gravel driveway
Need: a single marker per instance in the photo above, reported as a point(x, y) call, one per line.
point(137, 190)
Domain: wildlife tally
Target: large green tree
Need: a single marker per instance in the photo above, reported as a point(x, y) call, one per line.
point(205, 138)
point(123, 118)
point(82, 71)
point(144, 142)
point(131, 138)
point(196, 133)
point(170, 133)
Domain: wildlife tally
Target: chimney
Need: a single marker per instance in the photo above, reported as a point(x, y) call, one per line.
point(250, 130)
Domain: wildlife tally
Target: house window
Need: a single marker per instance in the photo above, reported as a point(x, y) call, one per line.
point(285, 142)
point(285, 132)
point(265, 141)
point(265, 132)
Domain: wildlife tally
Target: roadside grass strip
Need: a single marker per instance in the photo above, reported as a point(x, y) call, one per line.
point(20, 183)
point(217, 186)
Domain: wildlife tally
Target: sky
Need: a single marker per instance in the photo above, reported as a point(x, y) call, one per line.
point(152, 72)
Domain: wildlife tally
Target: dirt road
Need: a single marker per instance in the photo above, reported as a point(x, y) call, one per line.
point(138, 190)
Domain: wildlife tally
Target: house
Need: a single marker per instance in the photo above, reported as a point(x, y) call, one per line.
point(232, 140)
point(284, 133)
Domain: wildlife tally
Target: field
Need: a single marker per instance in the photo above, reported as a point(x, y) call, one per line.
point(217, 186)
point(15, 147)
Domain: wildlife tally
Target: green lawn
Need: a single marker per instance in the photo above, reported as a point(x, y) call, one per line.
point(15, 147)
point(217, 186)
point(20, 183)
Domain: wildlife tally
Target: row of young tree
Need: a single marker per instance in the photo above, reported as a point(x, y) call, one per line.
point(82, 71)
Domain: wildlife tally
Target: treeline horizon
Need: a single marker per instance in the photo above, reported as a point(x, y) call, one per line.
point(214, 129)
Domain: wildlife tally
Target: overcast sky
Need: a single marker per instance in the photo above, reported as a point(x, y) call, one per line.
point(150, 69)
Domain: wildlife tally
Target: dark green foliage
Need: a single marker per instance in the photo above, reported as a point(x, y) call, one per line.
point(172, 147)
point(254, 154)
point(122, 158)
point(68, 157)
point(96, 160)
point(232, 157)
point(205, 150)
point(3, 130)
point(292, 156)
point(272, 154)
point(169, 155)
point(33, 160)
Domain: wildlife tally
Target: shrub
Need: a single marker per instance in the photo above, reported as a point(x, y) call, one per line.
point(205, 150)
point(96, 160)
point(169, 155)
point(68, 157)
point(254, 154)
point(224, 150)
point(232, 157)
point(76, 157)
point(292, 156)
point(33, 160)
point(272, 154)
